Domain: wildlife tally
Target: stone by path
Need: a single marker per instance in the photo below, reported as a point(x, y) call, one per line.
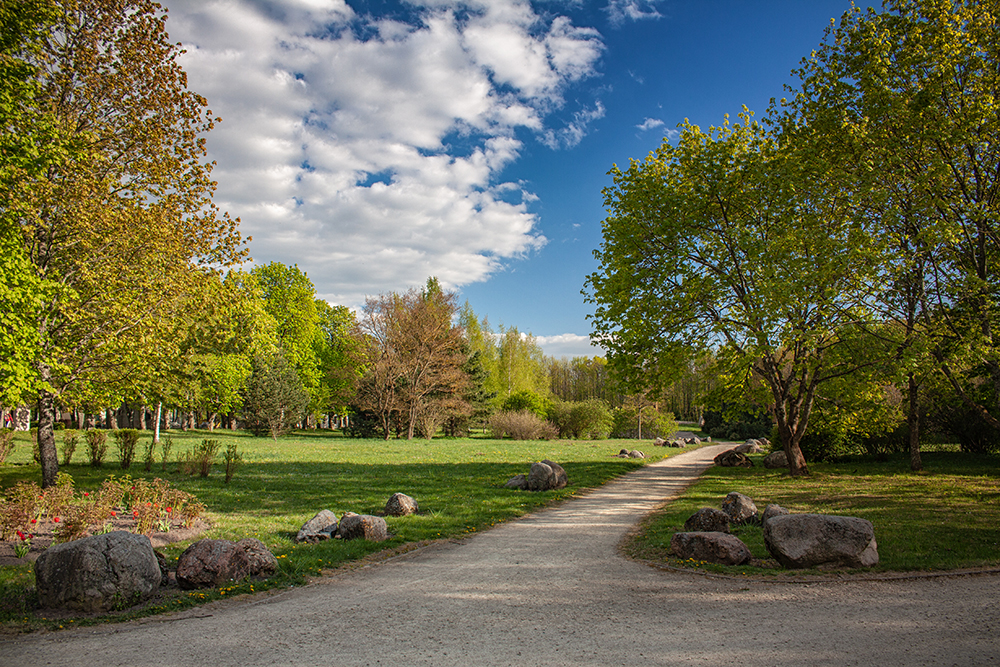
point(550, 589)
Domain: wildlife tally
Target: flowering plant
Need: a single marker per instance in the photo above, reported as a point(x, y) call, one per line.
point(22, 547)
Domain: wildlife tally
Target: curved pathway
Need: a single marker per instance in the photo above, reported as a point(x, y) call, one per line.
point(550, 589)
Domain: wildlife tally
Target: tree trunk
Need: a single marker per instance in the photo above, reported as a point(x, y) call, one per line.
point(156, 427)
point(211, 420)
point(46, 432)
point(790, 443)
point(110, 419)
point(913, 424)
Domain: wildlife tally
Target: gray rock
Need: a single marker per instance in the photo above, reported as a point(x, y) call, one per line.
point(821, 541)
point(363, 527)
point(263, 563)
point(733, 459)
point(776, 459)
point(211, 563)
point(517, 482)
point(98, 573)
point(676, 443)
point(659, 442)
point(708, 520)
point(748, 447)
point(321, 527)
point(712, 547)
point(772, 511)
point(540, 477)
point(636, 454)
point(740, 508)
point(400, 504)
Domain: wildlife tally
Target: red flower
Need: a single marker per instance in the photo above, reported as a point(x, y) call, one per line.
point(149, 504)
point(30, 536)
point(169, 509)
point(20, 534)
point(56, 519)
point(34, 521)
point(113, 513)
point(135, 512)
point(85, 494)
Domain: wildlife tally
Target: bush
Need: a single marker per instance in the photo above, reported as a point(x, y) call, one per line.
point(625, 423)
point(70, 438)
point(523, 425)
point(523, 400)
point(199, 460)
point(6, 443)
point(149, 455)
point(233, 460)
point(723, 425)
point(97, 447)
point(167, 444)
point(590, 419)
point(126, 439)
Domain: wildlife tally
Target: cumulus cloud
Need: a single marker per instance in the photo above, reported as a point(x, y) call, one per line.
point(369, 150)
point(620, 11)
point(568, 345)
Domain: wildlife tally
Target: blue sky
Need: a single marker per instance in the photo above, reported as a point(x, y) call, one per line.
point(377, 143)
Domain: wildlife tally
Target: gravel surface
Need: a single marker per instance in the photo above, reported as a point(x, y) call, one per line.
point(550, 589)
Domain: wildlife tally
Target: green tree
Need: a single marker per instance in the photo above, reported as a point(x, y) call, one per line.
point(275, 398)
point(122, 225)
point(727, 242)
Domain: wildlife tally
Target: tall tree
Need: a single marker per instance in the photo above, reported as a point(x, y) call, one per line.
point(724, 242)
point(120, 225)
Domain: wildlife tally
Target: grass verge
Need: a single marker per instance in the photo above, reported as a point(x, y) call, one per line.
point(458, 484)
point(946, 517)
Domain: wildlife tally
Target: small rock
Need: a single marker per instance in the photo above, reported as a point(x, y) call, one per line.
point(712, 547)
point(400, 504)
point(211, 563)
point(740, 508)
point(708, 520)
point(321, 527)
point(517, 482)
point(263, 563)
point(733, 459)
point(363, 527)
point(748, 447)
point(776, 459)
point(659, 442)
point(636, 454)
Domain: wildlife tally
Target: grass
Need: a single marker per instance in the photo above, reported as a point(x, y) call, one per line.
point(458, 484)
point(945, 517)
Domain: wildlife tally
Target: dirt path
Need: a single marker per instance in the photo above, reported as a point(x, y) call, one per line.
point(550, 589)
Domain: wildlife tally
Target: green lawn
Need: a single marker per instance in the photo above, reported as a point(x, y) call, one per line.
point(458, 484)
point(945, 517)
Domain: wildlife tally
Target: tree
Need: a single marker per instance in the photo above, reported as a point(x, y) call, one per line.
point(520, 364)
point(907, 97)
point(274, 398)
point(727, 242)
point(122, 224)
point(340, 353)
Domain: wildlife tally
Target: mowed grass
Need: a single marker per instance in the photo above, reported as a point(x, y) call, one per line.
point(458, 484)
point(945, 517)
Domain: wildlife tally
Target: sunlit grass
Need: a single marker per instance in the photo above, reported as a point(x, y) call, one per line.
point(943, 518)
point(458, 484)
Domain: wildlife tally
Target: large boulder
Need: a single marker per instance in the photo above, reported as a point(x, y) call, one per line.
point(363, 527)
point(776, 459)
point(732, 459)
point(546, 475)
point(821, 541)
point(400, 504)
point(711, 547)
point(211, 563)
point(98, 573)
point(263, 563)
point(708, 520)
point(772, 511)
point(321, 527)
point(740, 508)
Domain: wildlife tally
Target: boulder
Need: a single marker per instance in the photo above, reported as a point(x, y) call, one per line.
point(659, 442)
point(739, 508)
point(164, 564)
point(708, 520)
point(712, 547)
point(363, 527)
point(748, 447)
point(636, 454)
point(821, 541)
point(517, 482)
point(321, 527)
point(546, 475)
point(676, 443)
point(733, 459)
point(776, 459)
point(263, 563)
point(400, 504)
point(211, 563)
point(98, 573)
point(772, 511)
point(693, 441)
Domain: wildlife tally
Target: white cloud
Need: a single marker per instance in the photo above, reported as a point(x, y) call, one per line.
point(568, 345)
point(369, 151)
point(620, 11)
point(649, 124)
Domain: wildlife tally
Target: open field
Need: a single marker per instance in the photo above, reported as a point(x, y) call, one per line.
point(946, 517)
point(457, 482)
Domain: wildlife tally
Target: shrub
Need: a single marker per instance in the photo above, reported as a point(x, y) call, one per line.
point(726, 425)
point(233, 460)
point(523, 400)
point(70, 438)
point(97, 447)
point(166, 444)
point(126, 439)
point(199, 460)
point(148, 455)
point(625, 423)
point(523, 425)
point(590, 419)
point(6, 443)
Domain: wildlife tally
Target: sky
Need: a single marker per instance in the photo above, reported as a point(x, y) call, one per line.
point(375, 144)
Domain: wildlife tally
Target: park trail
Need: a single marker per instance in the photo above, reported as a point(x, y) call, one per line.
point(551, 589)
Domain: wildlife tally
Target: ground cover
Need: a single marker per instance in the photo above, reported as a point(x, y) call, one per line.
point(946, 517)
point(280, 485)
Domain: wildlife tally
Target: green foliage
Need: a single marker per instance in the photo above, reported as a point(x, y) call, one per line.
point(233, 460)
point(590, 419)
point(149, 455)
point(655, 424)
point(166, 445)
point(526, 400)
point(70, 438)
point(274, 399)
point(737, 424)
point(97, 447)
point(126, 439)
point(6, 443)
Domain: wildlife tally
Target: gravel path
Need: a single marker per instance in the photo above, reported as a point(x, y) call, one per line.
point(550, 589)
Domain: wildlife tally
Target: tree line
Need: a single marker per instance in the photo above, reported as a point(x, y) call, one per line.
point(837, 259)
